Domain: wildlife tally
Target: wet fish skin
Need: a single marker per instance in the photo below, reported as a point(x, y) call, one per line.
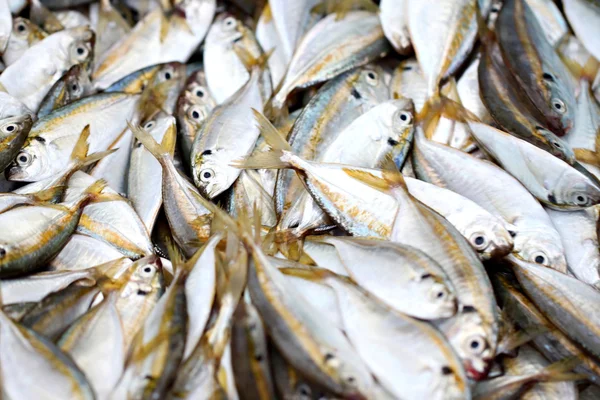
point(536, 66)
point(74, 85)
point(361, 41)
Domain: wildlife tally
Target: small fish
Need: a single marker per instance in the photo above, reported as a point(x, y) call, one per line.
point(227, 134)
point(13, 133)
point(110, 25)
point(226, 74)
point(488, 234)
point(95, 342)
point(32, 75)
point(55, 374)
point(330, 48)
point(81, 251)
point(144, 181)
point(52, 138)
point(421, 289)
point(556, 184)
point(535, 239)
point(194, 105)
point(156, 39)
point(546, 337)
point(73, 85)
point(34, 234)
point(442, 34)
point(269, 39)
point(536, 66)
point(249, 348)
point(564, 300)
point(186, 210)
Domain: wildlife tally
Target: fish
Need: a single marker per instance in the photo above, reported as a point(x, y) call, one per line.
point(291, 22)
point(535, 239)
point(110, 25)
point(56, 375)
point(270, 40)
point(249, 348)
point(328, 114)
point(32, 75)
point(509, 106)
point(74, 85)
point(399, 378)
point(194, 105)
point(557, 184)
point(24, 35)
point(489, 235)
point(52, 138)
point(171, 38)
point(188, 213)
point(442, 34)
point(27, 246)
point(546, 337)
point(564, 300)
point(536, 66)
point(13, 134)
point(144, 181)
point(421, 289)
point(227, 135)
point(225, 36)
point(330, 48)
point(529, 376)
point(95, 342)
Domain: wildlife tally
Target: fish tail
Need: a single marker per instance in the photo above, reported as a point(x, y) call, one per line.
point(158, 150)
point(50, 195)
point(280, 152)
point(560, 371)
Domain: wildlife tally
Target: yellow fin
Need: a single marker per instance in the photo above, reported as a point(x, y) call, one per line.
point(80, 151)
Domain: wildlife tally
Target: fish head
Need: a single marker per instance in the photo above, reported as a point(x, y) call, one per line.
point(212, 175)
point(574, 190)
point(13, 127)
point(559, 101)
point(471, 341)
point(77, 83)
point(541, 246)
point(32, 163)
point(370, 88)
point(439, 300)
point(81, 48)
point(556, 146)
point(26, 32)
point(146, 278)
point(489, 237)
point(225, 30)
point(191, 116)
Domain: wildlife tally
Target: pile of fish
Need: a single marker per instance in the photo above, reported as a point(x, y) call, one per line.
point(299, 199)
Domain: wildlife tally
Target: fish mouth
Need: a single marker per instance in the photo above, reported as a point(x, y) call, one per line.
point(476, 374)
point(14, 173)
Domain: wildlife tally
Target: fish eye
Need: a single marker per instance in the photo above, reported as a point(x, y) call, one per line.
point(229, 22)
point(547, 77)
point(9, 128)
point(21, 27)
point(206, 175)
point(23, 159)
point(581, 199)
point(479, 241)
point(197, 113)
point(539, 258)
point(559, 106)
point(2, 252)
point(438, 292)
point(74, 87)
point(147, 270)
point(372, 77)
point(199, 92)
point(304, 390)
point(81, 50)
point(476, 344)
point(167, 76)
point(149, 125)
point(557, 145)
point(512, 233)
